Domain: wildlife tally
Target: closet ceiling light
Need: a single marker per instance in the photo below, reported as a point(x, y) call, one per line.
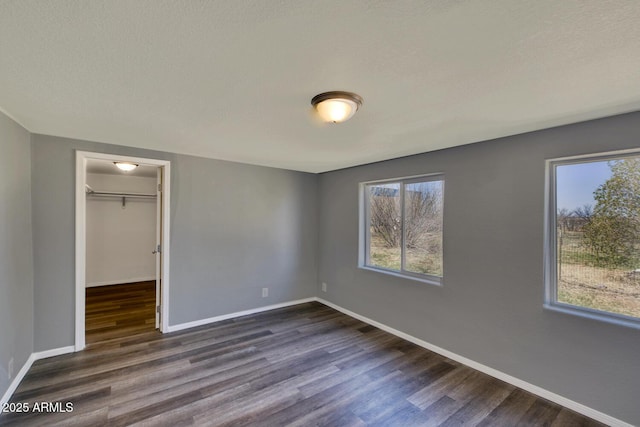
point(336, 106)
point(125, 166)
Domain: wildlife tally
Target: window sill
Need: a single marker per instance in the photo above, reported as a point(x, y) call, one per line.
point(619, 320)
point(417, 278)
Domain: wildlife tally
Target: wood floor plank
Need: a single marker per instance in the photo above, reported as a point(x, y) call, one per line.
point(541, 413)
point(510, 410)
point(567, 417)
point(298, 366)
point(481, 404)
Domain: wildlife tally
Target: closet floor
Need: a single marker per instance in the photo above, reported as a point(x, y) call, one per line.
point(117, 311)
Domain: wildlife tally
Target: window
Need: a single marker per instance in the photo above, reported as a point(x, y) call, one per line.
point(593, 247)
point(402, 227)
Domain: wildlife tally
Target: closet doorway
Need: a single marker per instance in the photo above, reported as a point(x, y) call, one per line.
point(122, 231)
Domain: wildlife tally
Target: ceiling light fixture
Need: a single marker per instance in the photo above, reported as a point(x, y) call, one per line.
point(336, 106)
point(125, 166)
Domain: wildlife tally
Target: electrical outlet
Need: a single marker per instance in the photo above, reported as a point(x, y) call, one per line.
point(10, 368)
point(324, 287)
point(265, 292)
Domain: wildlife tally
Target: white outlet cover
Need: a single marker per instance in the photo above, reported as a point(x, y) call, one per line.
point(265, 292)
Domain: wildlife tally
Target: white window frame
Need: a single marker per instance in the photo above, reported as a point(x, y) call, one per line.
point(364, 235)
point(550, 242)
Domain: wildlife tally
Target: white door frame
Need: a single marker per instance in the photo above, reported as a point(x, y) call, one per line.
point(81, 235)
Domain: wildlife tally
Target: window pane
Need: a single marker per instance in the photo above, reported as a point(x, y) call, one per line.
point(598, 235)
point(423, 227)
point(384, 225)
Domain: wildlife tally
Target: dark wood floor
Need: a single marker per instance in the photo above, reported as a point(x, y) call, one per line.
point(117, 311)
point(300, 366)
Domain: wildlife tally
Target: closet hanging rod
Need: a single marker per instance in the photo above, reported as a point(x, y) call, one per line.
point(116, 194)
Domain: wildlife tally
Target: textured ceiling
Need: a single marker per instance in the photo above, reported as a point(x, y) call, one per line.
point(233, 79)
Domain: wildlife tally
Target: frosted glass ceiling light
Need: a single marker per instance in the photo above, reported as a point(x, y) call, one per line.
point(336, 106)
point(125, 166)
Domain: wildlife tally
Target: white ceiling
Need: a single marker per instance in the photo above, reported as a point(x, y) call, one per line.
point(233, 79)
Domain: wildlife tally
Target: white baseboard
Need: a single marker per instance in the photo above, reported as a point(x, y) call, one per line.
point(54, 352)
point(539, 391)
point(120, 282)
point(27, 365)
point(187, 325)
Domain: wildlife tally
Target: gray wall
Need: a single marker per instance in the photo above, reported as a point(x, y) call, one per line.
point(16, 256)
point(234, 229)
point(490, 307)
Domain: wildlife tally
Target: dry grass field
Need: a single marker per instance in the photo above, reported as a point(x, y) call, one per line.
point(427, 260)
point(583, 283)
point(599, 288)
